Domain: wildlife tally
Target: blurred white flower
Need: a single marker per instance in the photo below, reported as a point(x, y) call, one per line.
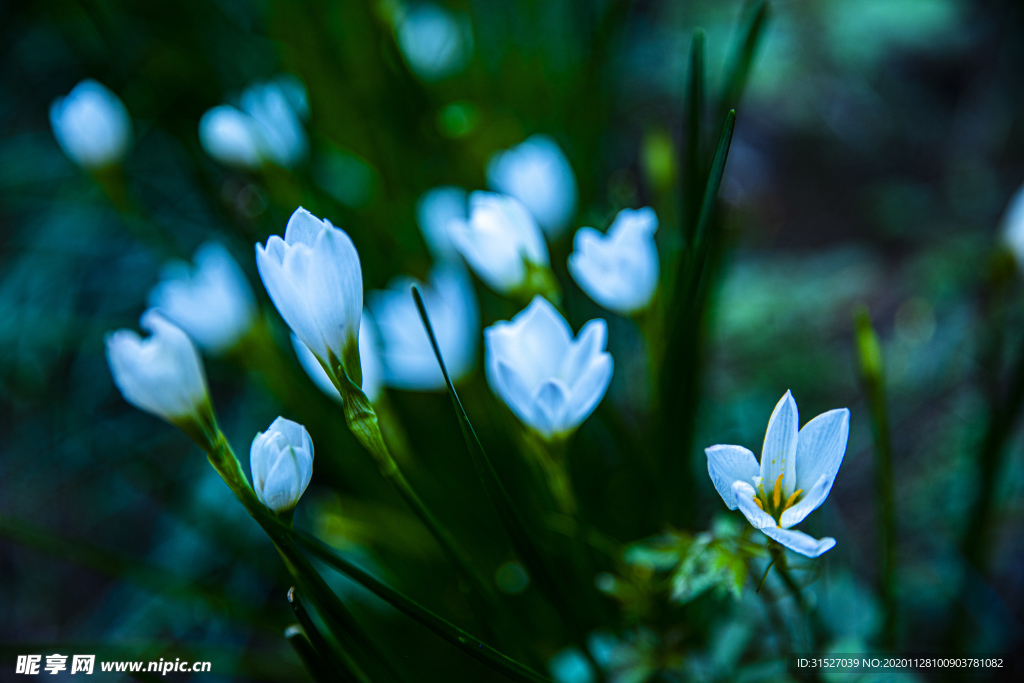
point(537, 174)
point(281, 460)
point(409, 361)
point(162, 374)
point(435, 42)
point(795, 476)
point(551, 381)
point(1013, 226)
point(435, 209)
point(500, 241)
point(232, 137)
point(369, 360)
point(618, 270)
point(212, 302)
point(91, 125)
point(268, 127)
point(314, 278)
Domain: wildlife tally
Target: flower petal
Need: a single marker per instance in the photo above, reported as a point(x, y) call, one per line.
point(799, 542)
point(809, 502)
point(778, 455)
point(590, 389)
point(513, 391)
point(303, 228)
point(278, 265)
point(728, 464)
point(550, 405)
point(588, 345)
point(821, 446)
point(335, 290)
point(744, 495)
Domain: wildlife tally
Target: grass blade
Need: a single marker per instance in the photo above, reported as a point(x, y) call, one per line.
point(464, 641)
point(693, 162)
point(327, 659)
point(742, 59)
point(310, 658)
point(511, 519)
point(680, 371)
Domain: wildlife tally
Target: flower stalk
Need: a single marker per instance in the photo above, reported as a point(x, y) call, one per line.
point(873, 379)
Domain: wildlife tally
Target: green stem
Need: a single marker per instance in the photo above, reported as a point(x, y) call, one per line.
point(873, 378)
point(339, 620)
point(362, 421)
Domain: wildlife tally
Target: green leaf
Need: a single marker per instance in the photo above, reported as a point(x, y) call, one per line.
point(742, 59)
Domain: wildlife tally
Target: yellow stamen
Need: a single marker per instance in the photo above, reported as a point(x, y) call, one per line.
point(777, 492)
point(792, 499)
point(758, 501)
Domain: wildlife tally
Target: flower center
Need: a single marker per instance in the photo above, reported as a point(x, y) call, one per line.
point(772, 503)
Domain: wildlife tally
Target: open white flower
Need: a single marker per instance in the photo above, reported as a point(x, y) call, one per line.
point(268, 127)
point(1013, 226)
point(435, 42)
point(435, 209)
point(551, 381)
point(91, 125)
point(281, 460)
point(500, 241)
point(161, 374)
point(409, 361)
point(212, 302)
point(795, 476)
point(537, 174)
point(618, 270)
point(369, 361)
point(314, 278)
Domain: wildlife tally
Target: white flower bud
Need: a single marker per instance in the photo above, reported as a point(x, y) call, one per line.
point(91, 125)
point(436, 43)
point(409, 361)
point(618, 270)
point(281, 460)
point(435, 209)
point(499, 241)
point(551, 381)
point(314, 278)
point(212, 302)
point(232, 137)
point(537, 174)
point(162, 374)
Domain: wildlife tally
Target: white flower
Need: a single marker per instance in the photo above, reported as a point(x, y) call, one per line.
point(212, 302)
point(232, 137)
point(795, 475)
point(435, 209)
point(314, 278)
point(499, 241)
point(267, 128)
point(91, 125)
point(537, 174)
point(369, 360)
point(409, 361)
point(618, 270)
point(1013, 226)
point(281, 460)
point(436, 43)
point(549, 380)
point(162, 374)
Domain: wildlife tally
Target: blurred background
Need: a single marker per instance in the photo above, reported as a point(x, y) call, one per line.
point(877, 147)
